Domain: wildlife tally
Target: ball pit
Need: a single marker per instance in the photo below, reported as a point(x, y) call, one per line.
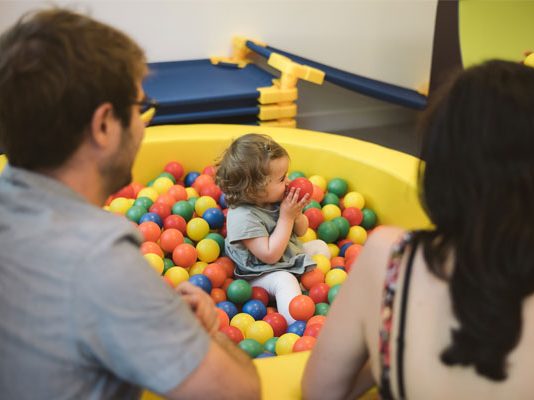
point(384, 181)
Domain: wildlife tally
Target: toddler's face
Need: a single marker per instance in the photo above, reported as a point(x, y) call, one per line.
point(277, 181)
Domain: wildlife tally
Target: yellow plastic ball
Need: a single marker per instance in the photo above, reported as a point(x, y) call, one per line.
point(334, 250)
point(357, 234)
point(331, 211)
point(529, 61)
point(149, 192)
point(335, 276)
point(106, 208)
point(155, 262)
point(309, 235)
point(323, 262)
point(203, 203)
point(120, 205)
point(191, 192)
point(285, 343)
point(242, 321)
point(197, 268)
point(162, 184)
point(208, 250)
point(260, 331)
point(318, 180)
point(177, 275)
point(354, 199)
point(197, 229)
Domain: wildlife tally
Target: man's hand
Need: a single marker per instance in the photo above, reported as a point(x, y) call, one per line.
point(201, 304)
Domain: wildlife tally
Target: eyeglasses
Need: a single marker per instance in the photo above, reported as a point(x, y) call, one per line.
point(148, 109)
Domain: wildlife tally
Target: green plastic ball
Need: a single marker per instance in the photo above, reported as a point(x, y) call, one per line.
point(188, 241)
point(192, 201)
point(167, 175)
point(218, 238)
point(338, 186)
point(184, 209)
point(343, 226)
point(330, 198)
point(239, 291)
point(312, 204)
point(167, 263)
point(369, 219)
point(270, 345)
point(252, 347)
point(332, 293)
point(144, 202)
point(322, 308)
point(135, 213)
point(328, 231)
point(295, 175)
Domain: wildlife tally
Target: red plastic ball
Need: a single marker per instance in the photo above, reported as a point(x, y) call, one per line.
point(126, 191)
point(150, 231)
point(233, 333)
point(170, 238)
point(259, 293)
point(311, 278)
point(178, 192)
point(315, 217)
point(224, 321)
point(165, 198)
point(316, 319)
point(151, 247)
point(337, 261)
point(226, 283)
point(184, 255)
point(227, 264)
point(353, 251)
point(319, 293)
point(209, 170)
point(277, 322)
point(211, 190)
point(174, 221)
point(305, 343)
point(305, 186)
point(301, 307)
point(202, 181)
point(216, 274)
point(313, 330)
point(162, 209)
point(175, 169)
point(353, 215)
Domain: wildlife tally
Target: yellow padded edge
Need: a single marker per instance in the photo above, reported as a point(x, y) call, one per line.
point(274, 94)
point(285, 123)
point(273, 111)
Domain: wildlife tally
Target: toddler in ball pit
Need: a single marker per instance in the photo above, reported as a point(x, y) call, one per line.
point(264, 219)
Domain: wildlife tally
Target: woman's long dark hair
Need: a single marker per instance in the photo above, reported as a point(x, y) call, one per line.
point(477, 185)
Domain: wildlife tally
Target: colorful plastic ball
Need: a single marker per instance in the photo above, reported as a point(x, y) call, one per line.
point(178, 192)
point(265, 354)
point(192, 200)
point(177, 275)
point(296, 174)
point(184, 255)
point(270, 345)
point(277, 322)
point(319, 292)
point(155, 262)
point(151, 247)
point(183, 209)
point(301, 307)
point(127, 192)
point(227, 283)
point(204, 203)
point(233, 333)
point(169, 239)
point(167, 263)
point(259, 293)
point(316, 319)
point(255, 308)
point(197, 229)
point(224, 321)
point(149, 192)
point(218, 295)
point(144, 202)
point(216, 274)
point(242, 321)
point(334, 249)
point(260, 331)
point(203, 180)
point(174, 168)
point(342, 225)
point(308, 236)
point(353, 251)
point(312, 204)
point(315, 217)
point(218, 238)
point(369, 219)
point(239, 291)
point(207, 250)
point(227, 264)
point(305, 186)
point(190, 178)
point(202, 282)
point(353, 215)
point(335, 277)
point(318, 180)
point(198, 268)
point(330, 198)
point(323, 263)
point(166, 174)
point(344, 248)
point(135, 213)
point(149, 216)
point(222, 201)
point(313, 329)
point(150, 231)
point(322, 308)
point(357, 234)
point(252, 347)
point(318, 194)
point(189, 241)
point(162, 209)
point(354, 199)
point(305, 343)
point(297, 328)
point(331, 211)
point(175, 222)
point(285, 343)
point(166, 199)
point(228, 307)
point(214, 217)
point(311, 278)
point(328, 232)
point(120, 205)
point(191, 193)
point(162, 184)
point(338, 186)
point(332, 293)
point(337, 261)
point(212, 191)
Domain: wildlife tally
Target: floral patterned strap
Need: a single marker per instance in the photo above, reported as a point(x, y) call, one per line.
point(388, 302)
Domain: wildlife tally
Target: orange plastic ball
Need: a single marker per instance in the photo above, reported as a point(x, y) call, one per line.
point(218, 295)
point(311, 278)
point(150, 231)
point(151, 247)
point(178, 192)
point(224, 321)
point(316, 319)
point(184, 255)
point(170, 238)
point(301, 307)
point(305, 343)
point(216, 274)
point(227, 264)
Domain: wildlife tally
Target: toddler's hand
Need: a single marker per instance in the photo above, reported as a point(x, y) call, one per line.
point(291, 206)
point(201, 304)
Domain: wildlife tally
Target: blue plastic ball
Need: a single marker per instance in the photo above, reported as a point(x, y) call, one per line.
point(228, 307)
point(265, 354)
point(214, 217)
point(150, 216)
point(297, 327)
point(344, 248)
point(255, 308)
point(202, 281)
point(222, 201)
point(190, 178)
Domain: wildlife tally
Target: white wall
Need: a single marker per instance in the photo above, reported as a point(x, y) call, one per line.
point(389, 40)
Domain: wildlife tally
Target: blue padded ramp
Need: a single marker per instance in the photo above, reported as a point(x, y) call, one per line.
point(370, 87)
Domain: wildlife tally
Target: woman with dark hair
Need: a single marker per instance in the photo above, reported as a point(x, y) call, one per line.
point(447, 313)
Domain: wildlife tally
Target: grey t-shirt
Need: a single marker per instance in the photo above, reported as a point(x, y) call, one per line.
point(82, 314)
point(248, 222)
